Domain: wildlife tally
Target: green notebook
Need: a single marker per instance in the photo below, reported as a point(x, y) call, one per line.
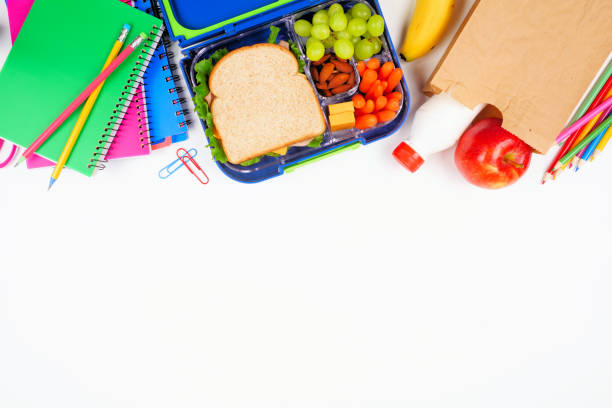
point(60, 50)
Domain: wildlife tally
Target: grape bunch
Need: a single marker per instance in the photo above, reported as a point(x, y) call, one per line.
point(356, 32)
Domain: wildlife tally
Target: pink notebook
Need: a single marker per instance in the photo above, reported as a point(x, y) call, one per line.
point(132, 138)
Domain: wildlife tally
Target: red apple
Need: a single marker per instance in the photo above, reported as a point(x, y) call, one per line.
point(489, 156)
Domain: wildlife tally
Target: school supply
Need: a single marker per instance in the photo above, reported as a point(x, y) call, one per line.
point(17, 12)
point(531, 63)
point(168, 124)
point(173, 167)
point(89, 104)
point(72, 56)
point(588, 139)
point(595, 96)
point(185, 157)
point(602, 145)
point(12, 154)
point(584, 120)
point(84, 95)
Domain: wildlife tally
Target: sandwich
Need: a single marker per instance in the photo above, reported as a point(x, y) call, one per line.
point(255, 102)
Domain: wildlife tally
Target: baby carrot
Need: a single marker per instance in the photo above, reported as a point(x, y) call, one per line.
point(373, 64)
point(386, 70)
point(380, 103)
point(369, 107)
point(366, 121)
point(367, 80)
point(394, 95)
point(359, 101)
point(361, 67)
point(384, 84)
point(394, 79)
point(393, 105)
point(373, 89)
point(385, 116)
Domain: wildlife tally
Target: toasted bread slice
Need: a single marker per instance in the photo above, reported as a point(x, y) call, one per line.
point(261, 103)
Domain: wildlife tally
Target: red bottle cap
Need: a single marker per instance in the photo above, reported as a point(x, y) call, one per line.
point(408, 157)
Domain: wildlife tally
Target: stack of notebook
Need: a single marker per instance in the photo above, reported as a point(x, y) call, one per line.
point(153, 117)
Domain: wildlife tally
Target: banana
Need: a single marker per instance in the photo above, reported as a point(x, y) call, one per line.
point(429, 23)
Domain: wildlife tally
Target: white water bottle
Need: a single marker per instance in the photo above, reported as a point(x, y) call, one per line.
point(437, 125)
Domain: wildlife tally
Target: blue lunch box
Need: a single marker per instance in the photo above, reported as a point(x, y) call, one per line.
point(202, 27)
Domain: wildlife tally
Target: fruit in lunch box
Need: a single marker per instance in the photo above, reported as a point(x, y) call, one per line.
point(338, 21)
point(489, 156)
point(303, 28)
point(320, 17)
point(344, 49)
point(315, 50)
point(364, 50)
point(357, 27)
point(429, 23)
point(376, 26)
point(361, 10)
point(333, 26)
point(320, 31)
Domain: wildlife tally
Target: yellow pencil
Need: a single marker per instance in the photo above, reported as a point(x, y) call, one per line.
point(89, 104)
point(602, 144)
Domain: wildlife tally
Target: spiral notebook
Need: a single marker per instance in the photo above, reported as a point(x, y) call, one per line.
point(132, 138)
point(60, 49)
point(167, 123)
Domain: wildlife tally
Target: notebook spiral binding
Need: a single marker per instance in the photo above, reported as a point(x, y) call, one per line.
point(129, 90)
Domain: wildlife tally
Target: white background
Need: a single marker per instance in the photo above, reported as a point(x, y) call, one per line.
point(349, 283)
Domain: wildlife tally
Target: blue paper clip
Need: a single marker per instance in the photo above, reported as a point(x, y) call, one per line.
point(176, 165)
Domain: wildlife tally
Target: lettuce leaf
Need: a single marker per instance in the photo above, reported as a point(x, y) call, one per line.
point(203, 70)
point(298, 56)
point(273, 34)
point(316, 142)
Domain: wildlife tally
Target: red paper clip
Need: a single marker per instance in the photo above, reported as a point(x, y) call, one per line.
point(185, 157)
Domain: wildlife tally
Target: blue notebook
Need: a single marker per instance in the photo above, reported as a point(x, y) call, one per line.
point(167, 123)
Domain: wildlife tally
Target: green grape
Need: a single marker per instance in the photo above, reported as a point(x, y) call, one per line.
point(376, 43)
point(315, 50)
point(320, 17)
point(302, 28)
point(320, 31)
point(367, 35)
point(376, 26)
point(329, 42)
point(338, 22)
point(310, 40)
point(344, 49)
point(349, 17)
point(342, 35)
point(335, 8)
point(355, 40)
point(364, 50)
point(360, 10)
point(357, 27)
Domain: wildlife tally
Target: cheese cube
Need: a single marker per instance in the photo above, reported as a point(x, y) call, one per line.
point(341, 121)
point(341, 108)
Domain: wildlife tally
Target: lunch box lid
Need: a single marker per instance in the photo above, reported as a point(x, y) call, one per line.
point(192, 21)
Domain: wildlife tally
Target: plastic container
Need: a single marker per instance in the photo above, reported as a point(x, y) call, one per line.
point(437, 126)
point(255, 29)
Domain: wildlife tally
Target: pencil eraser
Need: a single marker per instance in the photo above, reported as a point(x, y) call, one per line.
point(127, 27)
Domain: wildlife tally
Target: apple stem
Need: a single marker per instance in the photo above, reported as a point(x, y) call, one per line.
point(513, 163)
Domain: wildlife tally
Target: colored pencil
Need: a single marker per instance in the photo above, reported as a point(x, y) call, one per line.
point(584, 120)
point(83, 96)
point(604, 125)
point(553, 169)
point(590, 150)
point(89, 104)
point(602, 145)
point(596, 121)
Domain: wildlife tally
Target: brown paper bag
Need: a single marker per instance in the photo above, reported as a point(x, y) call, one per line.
point(532, 59)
